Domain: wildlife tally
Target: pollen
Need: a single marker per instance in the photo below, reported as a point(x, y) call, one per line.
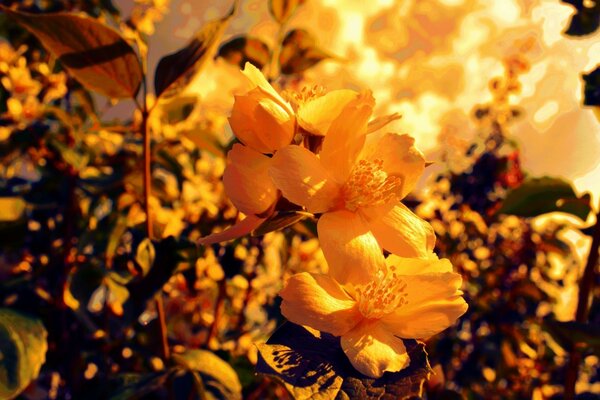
point(369, 185)
point(305, 95)
point(383, 295)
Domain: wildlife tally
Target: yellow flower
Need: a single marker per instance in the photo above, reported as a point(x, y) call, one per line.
point(358, 187)
point(409, 298)
point(261, 118)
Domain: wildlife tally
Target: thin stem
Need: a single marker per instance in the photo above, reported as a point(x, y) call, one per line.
point(586, 286)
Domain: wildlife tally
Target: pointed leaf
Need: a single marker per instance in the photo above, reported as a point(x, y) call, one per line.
point(23, 347)
point(544, 195)
point(145, 255)
point(244, 49)
point(280, 221)
point(299, 52)
point(312, 365)
point(95, 54)
point(176, 70)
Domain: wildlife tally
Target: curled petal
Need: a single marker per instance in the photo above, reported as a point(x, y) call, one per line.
point(241, 228)
point(373, 350)
point(346, 136)
point(257, 79)
point(316, 115)
point(303, 180)
point(400, 158)
point(319, 302)
point(400, 231)
point(351, 251)
point(247, 181)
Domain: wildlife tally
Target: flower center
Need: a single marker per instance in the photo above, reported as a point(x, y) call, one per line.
point(383, 295)
point(305, 95)
point(370, 185)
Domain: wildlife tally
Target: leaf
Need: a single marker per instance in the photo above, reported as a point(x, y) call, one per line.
point(282, 10)
point(217, 375)
point(543, 195)
point(82, 282)
point(280, 221)
point(572, 333)
point(11, 208)
point(23, 347)
point(591, 91)
point(145, 255)
point(299, 52)
point(312, 365)
point(205, 139)
point(179, 109)
point(176, 70)
point(244, 49)
point(586, 18)
point(95, 54)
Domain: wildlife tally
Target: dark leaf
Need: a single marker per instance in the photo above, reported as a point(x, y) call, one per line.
point(310, 363)
point(176, 70)
point(591, 91)
point(218, 378)
point(92, 52)
point(23, 348)
point(543, 195)
point(282, 10)
point(586, 18)
point(571, 333)
point(244, 49)
point(280, 221)
point(299, 52)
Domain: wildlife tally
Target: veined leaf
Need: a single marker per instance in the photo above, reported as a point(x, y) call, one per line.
point(176, 70)
point(544, 195)
point(95, 54)
point(23, 349)
point(244, 49)
point(282, 10)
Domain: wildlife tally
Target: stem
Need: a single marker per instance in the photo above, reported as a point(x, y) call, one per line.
point(218, 312)
point(147, 154)
point(586, 285)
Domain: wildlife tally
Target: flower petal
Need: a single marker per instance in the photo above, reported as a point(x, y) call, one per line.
point(258, 80)
point(239, 229)
point(303, 180)
point(319, 302)
point(372, 350)
point(379, 122)
point(400, 231)
point(247, 181)
point(418, 266)
point(346, 136)
point(316, 115)
point(433, 302)
point(351, 251)
point(400, 158)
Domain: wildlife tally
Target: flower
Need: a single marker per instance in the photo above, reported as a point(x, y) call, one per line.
point(409, 298)
point(261, 118)
point(358, 186)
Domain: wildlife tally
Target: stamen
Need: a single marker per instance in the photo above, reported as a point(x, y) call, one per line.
point(305, 95)
point(383, 295)
point(370, 185)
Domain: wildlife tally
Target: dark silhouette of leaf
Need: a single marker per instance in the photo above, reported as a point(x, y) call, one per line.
point(543, 195)
point(280, 221)
point(312, 364)
point(282, 10)
point(95, 54)
point(591, 91)
point(586, 19)
point(176, 70)
point(244, 49)
point(299, 52)
point(571, 334)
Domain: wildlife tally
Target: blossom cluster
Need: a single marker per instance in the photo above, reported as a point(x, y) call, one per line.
point(322, 152)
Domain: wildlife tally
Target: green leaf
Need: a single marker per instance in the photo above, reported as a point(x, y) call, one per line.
point(280, 221)
point(312, 365)
point(11, 208)
point(586, 18)
point(95, 54)
point(244, 49)
point(571, 333)
point(299, 52)
point(176, 70)
point(145, 255)
point(23, 349)
point(282, 10)
point(219, 379)
point(543, 195)
point(591, 91)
